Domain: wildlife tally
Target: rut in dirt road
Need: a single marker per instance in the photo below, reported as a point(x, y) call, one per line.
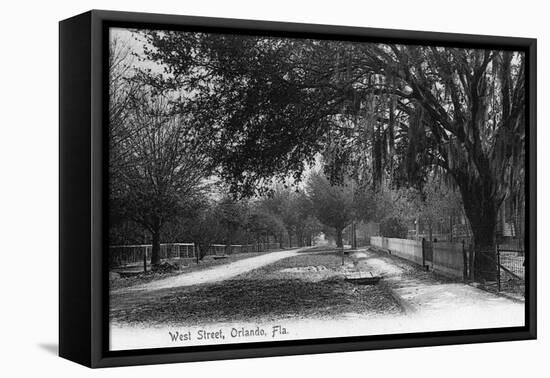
point(215, 274)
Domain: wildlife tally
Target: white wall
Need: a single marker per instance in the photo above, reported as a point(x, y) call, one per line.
point(28, 190)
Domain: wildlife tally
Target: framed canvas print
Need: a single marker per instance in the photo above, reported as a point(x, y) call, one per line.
point(234, 188)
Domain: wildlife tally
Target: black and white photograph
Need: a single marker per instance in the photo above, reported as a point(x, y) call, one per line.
point(246, 189)
point(266, 188)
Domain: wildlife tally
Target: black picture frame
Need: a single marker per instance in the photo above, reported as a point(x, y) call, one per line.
point(83, 290)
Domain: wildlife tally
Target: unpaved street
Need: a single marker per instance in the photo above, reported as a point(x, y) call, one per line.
point(423, 292)
point(215, 274)
point(306, 294)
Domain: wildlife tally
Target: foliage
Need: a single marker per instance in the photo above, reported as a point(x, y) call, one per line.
point(406, 114)
point(204, 227)
point(333, 204)
point(156, 166)
point(121, 92)
point(233, 216)
point(294, 210)
point(374, 111)
point(393, 227)
point(265, 224)
point(257, 95)
point(439, 201)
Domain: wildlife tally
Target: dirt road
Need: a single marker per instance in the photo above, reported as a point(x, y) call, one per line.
point(433, 297)
point(215, 274)
point(430, 303)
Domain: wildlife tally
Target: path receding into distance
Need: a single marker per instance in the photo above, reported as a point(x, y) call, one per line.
point(214, 274)
point(430, 305)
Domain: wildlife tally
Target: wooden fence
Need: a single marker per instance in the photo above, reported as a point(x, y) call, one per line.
point(444, 258)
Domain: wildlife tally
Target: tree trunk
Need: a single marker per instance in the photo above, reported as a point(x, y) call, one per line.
point(464, 262)
point(228, 243)
point(204, 250)
point(289, 239)
point(201, 250)
point(300, 238)
point(155, 253)
point(484, 242)
point(353, 236)
point(339, 241)
point(481, 207)
point(451, 229)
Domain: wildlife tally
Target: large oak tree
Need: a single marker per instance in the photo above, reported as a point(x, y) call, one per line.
point(374, 110)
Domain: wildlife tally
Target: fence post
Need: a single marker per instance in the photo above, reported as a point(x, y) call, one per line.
point(423, 253)
point(471, 260)
point(498, 267)
point(465, 262)
point(145, 260)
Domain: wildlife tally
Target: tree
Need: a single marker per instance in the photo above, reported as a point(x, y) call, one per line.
point(311, 228)
point(306, 223)
point(233, 216)
point(263, 223)
point(374, 110)
point(121, 91)
point(438, 203)
point(282, 202)
point(333, 205)
point(466, 118)
point(257, 95)
point(293, 209)
point(163, 168)
point(458, 113)
point(393, 227)
point(204, 227)
point(122, 230)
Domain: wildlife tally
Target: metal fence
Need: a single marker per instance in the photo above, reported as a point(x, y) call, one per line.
point(129, 255)
point(125, 255)
point(223, 249)
point(506, 269)
point(511, 268)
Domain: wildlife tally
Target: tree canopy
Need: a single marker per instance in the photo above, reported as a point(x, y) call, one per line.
point(266, 107)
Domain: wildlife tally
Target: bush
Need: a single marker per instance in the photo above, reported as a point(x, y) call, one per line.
point(393, 228)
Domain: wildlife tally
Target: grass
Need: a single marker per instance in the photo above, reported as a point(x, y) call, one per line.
point(264, 294)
